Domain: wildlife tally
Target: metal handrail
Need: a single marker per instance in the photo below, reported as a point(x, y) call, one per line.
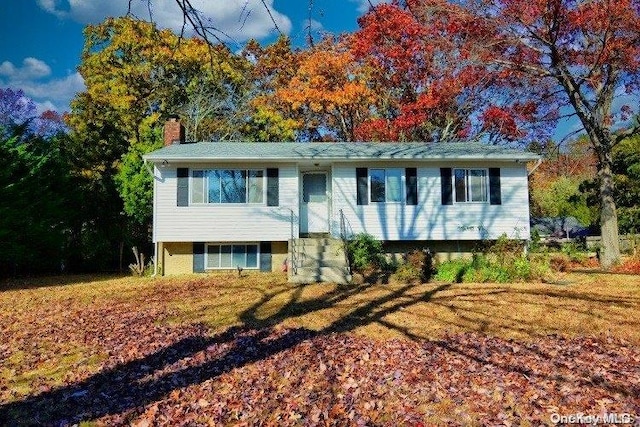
point(343, 237)
point(294, 249)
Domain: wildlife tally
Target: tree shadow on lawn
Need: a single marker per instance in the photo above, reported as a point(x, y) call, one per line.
point(128, 387)
point(46, 281)
point(195, 359)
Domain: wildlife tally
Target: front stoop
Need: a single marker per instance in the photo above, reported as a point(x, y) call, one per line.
point(318, 259)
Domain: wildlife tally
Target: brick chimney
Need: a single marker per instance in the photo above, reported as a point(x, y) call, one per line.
point(173, 131)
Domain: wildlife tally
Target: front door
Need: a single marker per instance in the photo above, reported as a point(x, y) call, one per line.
point(314, 209)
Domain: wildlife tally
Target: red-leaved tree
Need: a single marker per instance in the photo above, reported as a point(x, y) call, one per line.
point(430, 67)
point(587, 53)
point(496, 67)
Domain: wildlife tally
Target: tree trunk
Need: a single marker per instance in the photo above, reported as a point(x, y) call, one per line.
point(610, 250)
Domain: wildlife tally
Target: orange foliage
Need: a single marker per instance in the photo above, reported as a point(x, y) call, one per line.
point(329, 87)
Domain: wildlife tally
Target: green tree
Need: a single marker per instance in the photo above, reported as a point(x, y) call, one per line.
point(626, 169)
point(36, 189)
point(135, 182)
point(560, 198)
point(626, 176)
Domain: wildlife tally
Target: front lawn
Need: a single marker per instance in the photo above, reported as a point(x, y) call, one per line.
point(223, 350)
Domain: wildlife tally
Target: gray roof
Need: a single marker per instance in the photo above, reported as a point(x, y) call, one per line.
point(295, 151)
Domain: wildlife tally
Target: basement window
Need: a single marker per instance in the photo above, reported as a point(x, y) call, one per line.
point(232, 256)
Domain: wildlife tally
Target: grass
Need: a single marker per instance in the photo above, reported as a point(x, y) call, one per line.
point(586, 305)
point(62, 330)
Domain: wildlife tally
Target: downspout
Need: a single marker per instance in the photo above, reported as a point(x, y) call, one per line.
point(148, 168)
point(528, 241)
point(538, 163)
point(155, 244)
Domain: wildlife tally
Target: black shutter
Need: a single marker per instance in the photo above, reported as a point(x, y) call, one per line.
point(183, 187)
point(495, 195)
point(265, 256)
point(362, 191)
point(198, 257)
point(273, 187)
point(411, 176)
point(447, 187)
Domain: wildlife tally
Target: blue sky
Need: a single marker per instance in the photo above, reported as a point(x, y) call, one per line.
point(41, 40)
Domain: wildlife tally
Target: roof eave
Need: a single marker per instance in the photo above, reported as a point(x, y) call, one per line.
point(183, 159)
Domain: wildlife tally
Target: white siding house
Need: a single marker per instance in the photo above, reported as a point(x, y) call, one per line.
point(221, 204)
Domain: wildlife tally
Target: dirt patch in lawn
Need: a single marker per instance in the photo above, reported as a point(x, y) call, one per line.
point(224, 349)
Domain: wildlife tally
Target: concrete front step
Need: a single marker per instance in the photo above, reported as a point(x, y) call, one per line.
point(318, 243)
point(339, 275)
point(321, 249)
point(322, 262)
point(319, 259)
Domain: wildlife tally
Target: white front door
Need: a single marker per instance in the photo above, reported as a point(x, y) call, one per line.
point(314, 209)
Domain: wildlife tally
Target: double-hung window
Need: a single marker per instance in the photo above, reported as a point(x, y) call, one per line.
point(385, 185)
point(471, 185)
point(232, 256)
point(228, 186)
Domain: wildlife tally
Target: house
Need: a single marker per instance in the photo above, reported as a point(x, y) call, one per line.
point(222, 205)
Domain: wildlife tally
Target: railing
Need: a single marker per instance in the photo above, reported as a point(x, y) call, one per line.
point(294, 248)
point(343, 237)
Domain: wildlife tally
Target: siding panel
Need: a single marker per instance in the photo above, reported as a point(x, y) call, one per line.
point(429, 219)
point(228, 222)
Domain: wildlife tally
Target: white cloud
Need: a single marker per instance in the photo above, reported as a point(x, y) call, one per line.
point(32, 68)
point(364, 5)
point(47, 105)
point(239, 19)
point(313, 24)
point(51, 6)
point(34, 78)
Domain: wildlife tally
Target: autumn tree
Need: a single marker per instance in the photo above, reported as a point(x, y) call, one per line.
point(556, 185)
point(588, 53)
point(136, 75)
point(429, 70)
point(274, 67)
point(329, 90)
point(538, 58)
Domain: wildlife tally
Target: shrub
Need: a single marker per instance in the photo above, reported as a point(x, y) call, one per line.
point(416, 265)
point(629, 266)
point(365, 252)
point(535, 244)
point(506, 248)
point(485, 270)
point(453, 271)
point(482, 268)
point(560, 262)
point(407, 273)
point(574, 252)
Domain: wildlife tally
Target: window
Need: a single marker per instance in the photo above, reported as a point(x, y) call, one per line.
point(385, 185)
point(314, 188)
point(470, 185)
point(227, 186)
point(232, 256)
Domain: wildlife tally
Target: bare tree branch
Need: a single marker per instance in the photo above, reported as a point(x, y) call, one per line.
point(202, 26)
point(308, 26)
